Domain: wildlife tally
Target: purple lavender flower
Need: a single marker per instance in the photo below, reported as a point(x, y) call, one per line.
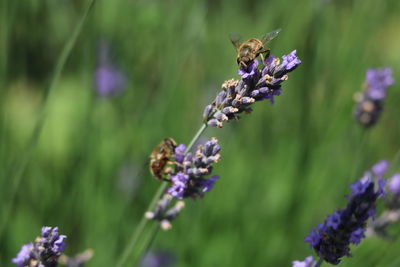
point(369, 103)
point(191, 170)
point(378, 80)
point(331, 240)
point(157, 259)
point(308, 262)
point(109, 79)
point(380, 168)
point(394, 184)
point(44, 252)
point(256, 84)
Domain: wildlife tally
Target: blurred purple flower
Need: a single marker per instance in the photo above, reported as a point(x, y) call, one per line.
point(109, 79)
point(157, 259)
point(369, 103)
point(44, 252)
point(378, 81)
point(394, 184)
point(308, 262)
point(380, 168)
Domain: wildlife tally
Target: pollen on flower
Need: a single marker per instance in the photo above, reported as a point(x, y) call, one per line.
point(256, 84)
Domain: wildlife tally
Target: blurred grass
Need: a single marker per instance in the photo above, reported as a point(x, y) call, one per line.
point(283, 168)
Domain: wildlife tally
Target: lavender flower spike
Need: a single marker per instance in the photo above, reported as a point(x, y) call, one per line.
point(331, 240)
point(308, 262)
point(44, 252)
point(256, 84)
point(369, 103)
point(189, 179)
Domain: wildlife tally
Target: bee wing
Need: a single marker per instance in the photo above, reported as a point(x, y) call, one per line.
point(236, 40)
point(269, 36)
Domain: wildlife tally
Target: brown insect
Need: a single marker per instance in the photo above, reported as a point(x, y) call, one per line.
point(249, 50)
point(160, 157)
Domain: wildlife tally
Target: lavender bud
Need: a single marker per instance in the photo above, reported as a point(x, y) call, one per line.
point(220, 116)
point(208, 111)
point(394, 184)
point(308, 262)
point(214, 123)
point(228, 110)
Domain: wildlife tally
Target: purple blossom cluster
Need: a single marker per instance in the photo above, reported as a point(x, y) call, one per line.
point(369, 103)
point(189, 179)
point(256, 84)
point(308, 262)
point(331, 240)
point(44, 251)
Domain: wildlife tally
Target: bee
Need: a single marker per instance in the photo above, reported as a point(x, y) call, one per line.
point(160, 157)
point(249, 50)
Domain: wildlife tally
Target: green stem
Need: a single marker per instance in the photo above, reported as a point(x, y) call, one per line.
point(143, 222)
point(194, 139)
point(20, 169)
point(319, 262)
point(140, 228)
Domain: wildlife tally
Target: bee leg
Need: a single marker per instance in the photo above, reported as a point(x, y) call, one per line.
point(242, 65)
point(265, 52)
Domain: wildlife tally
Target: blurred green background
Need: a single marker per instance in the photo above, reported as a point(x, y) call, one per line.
point(283, 169)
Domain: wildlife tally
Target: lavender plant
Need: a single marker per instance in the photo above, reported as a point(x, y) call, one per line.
point(331, 240)
point(44, 251)
point(190, 175)
point(369, 102)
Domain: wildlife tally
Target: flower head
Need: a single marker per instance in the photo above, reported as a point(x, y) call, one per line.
point(45, 251)
point(369, 103)
point(331, 240)
point(190, 178)
point(256, 84)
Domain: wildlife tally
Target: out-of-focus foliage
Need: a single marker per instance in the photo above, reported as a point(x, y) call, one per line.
point(283, 168)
